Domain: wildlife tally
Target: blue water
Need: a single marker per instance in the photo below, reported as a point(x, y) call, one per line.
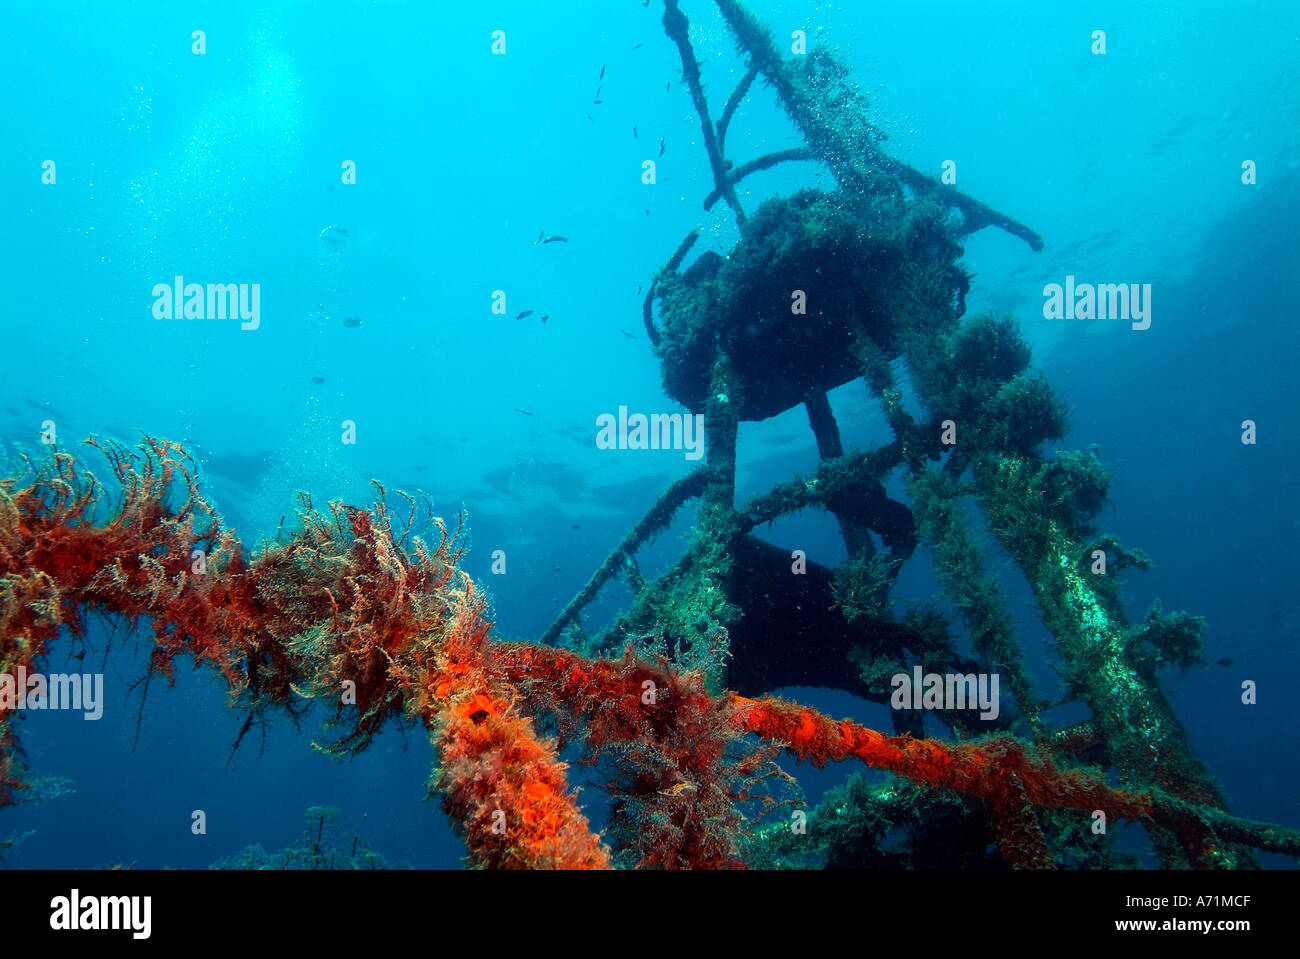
point(227, 166)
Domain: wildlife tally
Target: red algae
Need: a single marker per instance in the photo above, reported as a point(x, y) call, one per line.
point(381, 627)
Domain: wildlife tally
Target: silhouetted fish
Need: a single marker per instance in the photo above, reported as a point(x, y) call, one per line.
point(1225, 661)
point(525, 412)
point(352, 322)
point(626, 333)
point(602, 73)
point(317, 380)
point(661, 146)
point(523, 314)
point(242, 468)
point(555, 239)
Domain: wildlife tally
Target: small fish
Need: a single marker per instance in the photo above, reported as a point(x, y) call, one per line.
point(317, 380)
point(539, 237)
point(677, 789)
point(602, 72)
point(647, 212)
point(635, 135)
point(661, 146)
point(352, 322)
point(1225, 661)
point(597, 102)
point(668, 86)
point(555, 239)
point(545, 317)
point(523, 314)
point(591, 118)
point(598, 89)
point(626, 333)
point(639, 45)
point(525, 412)
point(577, 526)
point(638, 289)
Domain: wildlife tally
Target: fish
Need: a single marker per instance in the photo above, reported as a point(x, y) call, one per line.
point(1226, 661)
point(591, 118)
point(317, 380)
point(661, 146)
point(525, 412)
point(626, 333)
point(638, 289)
point(597, 102)
point(677, 788)
point(668, 86)
point(352, 322)
point(635, 135)
point(639, 45)
point(46, 408)
point(239, 468)
point(523, 314)
point(602, 72)
point(539, 237)
point(555, 239)
point(577, 526)
point(545, 317)
point(334, 235)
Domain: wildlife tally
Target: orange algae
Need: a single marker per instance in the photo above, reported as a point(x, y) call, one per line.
point(340, 613)
point(382, 630)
